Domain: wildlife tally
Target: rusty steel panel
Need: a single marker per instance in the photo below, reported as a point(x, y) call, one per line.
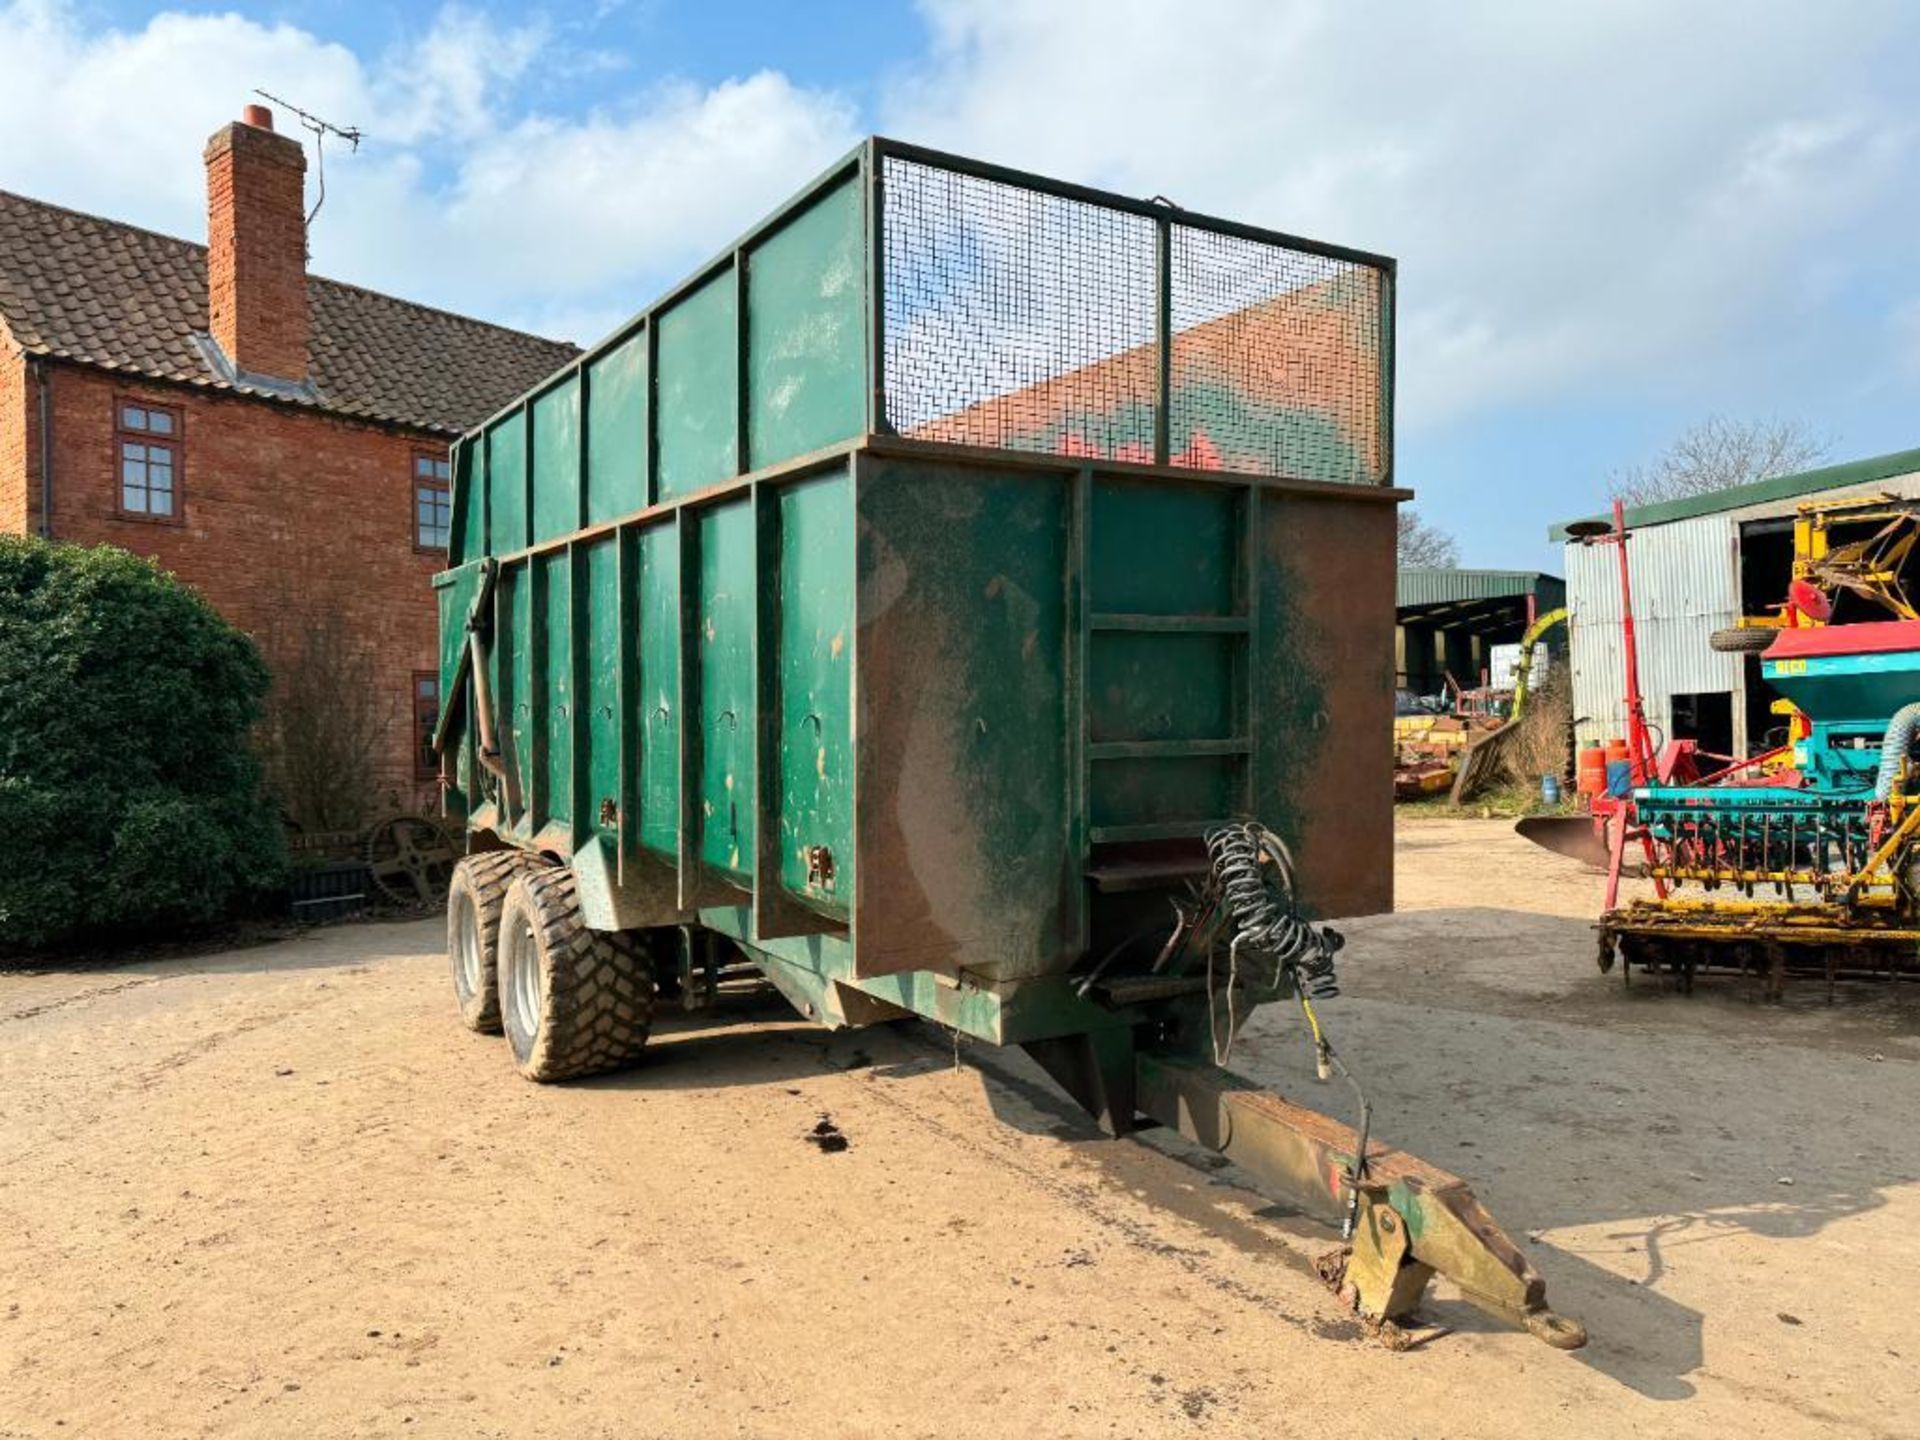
point(1324, 695)
point(961, 763)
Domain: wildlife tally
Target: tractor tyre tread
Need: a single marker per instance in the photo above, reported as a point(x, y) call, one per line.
point(1741, 639)
point(486, 876)
point(597, 988)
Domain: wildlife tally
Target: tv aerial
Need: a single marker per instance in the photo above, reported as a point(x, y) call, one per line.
point(321, 130)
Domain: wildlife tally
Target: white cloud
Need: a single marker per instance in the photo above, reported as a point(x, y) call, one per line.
point(448, 82)
point(670, 180)
point(1614, 194)
point(113, 121)
point(1623, 195)
point(459, 196)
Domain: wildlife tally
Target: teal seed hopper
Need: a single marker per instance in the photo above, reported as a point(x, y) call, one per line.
point(895, 610)
point(1814, 866)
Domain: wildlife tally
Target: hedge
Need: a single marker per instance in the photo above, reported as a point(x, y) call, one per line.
point(130, 796)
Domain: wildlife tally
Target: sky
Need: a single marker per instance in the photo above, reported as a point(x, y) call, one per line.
point(1611, 219)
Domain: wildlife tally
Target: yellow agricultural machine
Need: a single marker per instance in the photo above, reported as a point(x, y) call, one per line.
point(1804, 858)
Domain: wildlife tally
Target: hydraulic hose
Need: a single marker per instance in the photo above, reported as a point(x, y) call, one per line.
point(1254, 875)
point(1893, 749)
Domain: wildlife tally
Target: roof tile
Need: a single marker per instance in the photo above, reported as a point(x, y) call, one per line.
point(78, 287)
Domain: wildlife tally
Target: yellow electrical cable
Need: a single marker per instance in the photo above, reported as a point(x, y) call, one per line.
point(1313, 1021)
point(1322, 1052)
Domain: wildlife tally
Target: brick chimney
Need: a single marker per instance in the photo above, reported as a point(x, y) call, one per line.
point(257, 247)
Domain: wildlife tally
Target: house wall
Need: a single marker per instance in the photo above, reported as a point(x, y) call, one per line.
point(287, 518)
point(18, 508)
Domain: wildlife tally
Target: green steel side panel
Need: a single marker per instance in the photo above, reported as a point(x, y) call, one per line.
point(1173, 552)
point(497, 671)
point(600, 651)
point(816, 580)
point(1160, 549)
point(1165, 790)
point(556, 461)
point(822, 966)
point(656, 721)
point(806, 321)
point(454, 591)
point(617, 431)
point(965, 780)
point(556, 620)
point(516, 675)
point(507, 485)
point(698, 389)
point(557, 686)
point(453, 595)
point(726, 708)
point(469, 507)
point(1156, 686)
point(599, 768)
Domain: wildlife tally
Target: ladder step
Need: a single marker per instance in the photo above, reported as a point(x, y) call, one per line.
point(1144, 989)
point(1118, 876)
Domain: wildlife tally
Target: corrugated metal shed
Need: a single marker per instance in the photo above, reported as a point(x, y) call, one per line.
point(1686, 561)
point(1445, 586)
point(1449, 620)
point(1685, 586)
point(1790, 489)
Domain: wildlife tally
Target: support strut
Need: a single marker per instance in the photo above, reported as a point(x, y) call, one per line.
point(1413, 1220)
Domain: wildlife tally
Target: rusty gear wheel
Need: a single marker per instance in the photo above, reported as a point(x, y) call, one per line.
point(411, 858)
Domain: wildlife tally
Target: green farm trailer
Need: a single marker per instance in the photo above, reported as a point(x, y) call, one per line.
point(967, 597)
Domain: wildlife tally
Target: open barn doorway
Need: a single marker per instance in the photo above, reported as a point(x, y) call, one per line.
point(1766, 569)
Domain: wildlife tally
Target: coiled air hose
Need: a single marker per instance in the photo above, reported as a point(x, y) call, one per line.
point(1252, 878)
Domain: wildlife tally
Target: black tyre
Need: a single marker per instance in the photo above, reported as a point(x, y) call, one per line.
point(573, 1001)
point(1741, 640)
point(475, 896)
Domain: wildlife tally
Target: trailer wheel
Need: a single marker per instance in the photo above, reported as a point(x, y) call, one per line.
point(573, 1001)
point(475, 895)
point(1742, 639)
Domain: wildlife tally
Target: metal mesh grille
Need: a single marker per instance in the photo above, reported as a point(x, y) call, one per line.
point(1277, 363)
point(1019, 319)
point(1016, 319)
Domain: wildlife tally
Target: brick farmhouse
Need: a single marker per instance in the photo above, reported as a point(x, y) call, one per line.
point(277, 440)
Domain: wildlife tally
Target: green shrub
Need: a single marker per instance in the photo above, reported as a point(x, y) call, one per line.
point(129, 796)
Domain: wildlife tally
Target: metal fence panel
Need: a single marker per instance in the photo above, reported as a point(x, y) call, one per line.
point(1277, 360)
point(1023, 315)
point(1015, 318)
